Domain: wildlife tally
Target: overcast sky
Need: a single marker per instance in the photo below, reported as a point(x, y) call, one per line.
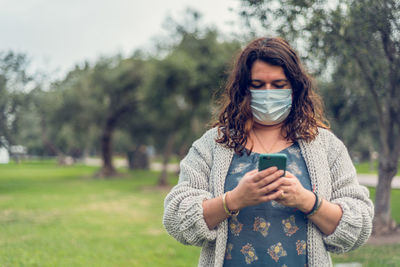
point(56, 34)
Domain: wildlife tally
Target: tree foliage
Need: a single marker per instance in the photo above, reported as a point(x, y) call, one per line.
point(180, 93)
point(13, 81)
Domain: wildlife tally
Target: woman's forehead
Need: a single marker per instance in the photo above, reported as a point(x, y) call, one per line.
point(263, 70)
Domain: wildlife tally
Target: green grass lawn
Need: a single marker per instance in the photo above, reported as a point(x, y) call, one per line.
point(61, 216)
point(364, 167)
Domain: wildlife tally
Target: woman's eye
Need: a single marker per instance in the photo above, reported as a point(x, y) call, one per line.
point(280, 86)
point(258, 85)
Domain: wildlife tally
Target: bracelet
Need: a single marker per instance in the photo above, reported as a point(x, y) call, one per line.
point(316, 206)
point(227, 211)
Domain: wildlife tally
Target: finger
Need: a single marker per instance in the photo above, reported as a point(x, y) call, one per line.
point(269, 179)
point(285, 188)
point(268, 170)
point(289, 175)
point(251, 173)
point(271, 196)
point(272, 187)
point(264, 173)
point(286, 181)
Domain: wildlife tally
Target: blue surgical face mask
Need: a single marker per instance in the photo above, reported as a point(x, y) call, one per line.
point(271, 106)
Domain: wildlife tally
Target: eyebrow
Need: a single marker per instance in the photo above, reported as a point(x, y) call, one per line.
point(278, 80)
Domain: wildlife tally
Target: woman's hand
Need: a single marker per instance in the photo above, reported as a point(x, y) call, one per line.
point(293, 194)
point(255, 188)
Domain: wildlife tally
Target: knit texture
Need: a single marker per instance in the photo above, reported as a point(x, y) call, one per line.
point(333, 177)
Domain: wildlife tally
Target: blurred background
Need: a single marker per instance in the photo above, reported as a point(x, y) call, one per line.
point(100, 100)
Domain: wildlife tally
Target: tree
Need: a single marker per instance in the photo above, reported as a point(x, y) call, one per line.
point(363, 37)
point(27, 130)
point(13, 82)
point(180, 93)
point(64, 115)
point(343, 105)
point(89, 104)
point(114, 87)
point(45, 104)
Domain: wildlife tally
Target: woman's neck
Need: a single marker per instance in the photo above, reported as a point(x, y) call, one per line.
point(267, 138)
point(268, 129)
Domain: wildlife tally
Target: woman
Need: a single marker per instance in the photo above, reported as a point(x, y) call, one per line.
point(242, 216)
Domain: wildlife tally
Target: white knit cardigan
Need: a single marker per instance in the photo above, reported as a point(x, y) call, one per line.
point(202, 176)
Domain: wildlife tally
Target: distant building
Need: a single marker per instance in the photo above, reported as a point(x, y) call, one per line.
point(4, 156)
point(17, 152)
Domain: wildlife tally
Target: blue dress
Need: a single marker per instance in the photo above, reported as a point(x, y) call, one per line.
point(268, 234)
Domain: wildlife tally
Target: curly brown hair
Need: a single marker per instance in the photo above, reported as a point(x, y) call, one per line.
point(235, 119)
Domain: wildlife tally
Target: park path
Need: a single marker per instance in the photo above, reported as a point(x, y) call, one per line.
point(364, 179)
point(372, 180)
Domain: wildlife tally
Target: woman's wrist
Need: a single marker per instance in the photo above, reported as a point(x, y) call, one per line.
point(231, 201)
point(307, 202)
point(228, 211)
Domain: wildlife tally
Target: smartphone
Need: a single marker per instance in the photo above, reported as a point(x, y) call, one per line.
point(268, 160)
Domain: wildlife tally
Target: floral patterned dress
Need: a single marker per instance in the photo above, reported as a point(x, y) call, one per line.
point(268, 234)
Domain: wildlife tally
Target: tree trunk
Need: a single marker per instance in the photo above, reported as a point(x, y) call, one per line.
point(50, 145)
point(138, 158)
point(388, 160)
point(162, 180)
point(383, 222)
point(107, 170)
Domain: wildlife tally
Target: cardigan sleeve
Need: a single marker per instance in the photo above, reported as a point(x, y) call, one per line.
point(183, 211)
point(355, 226)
